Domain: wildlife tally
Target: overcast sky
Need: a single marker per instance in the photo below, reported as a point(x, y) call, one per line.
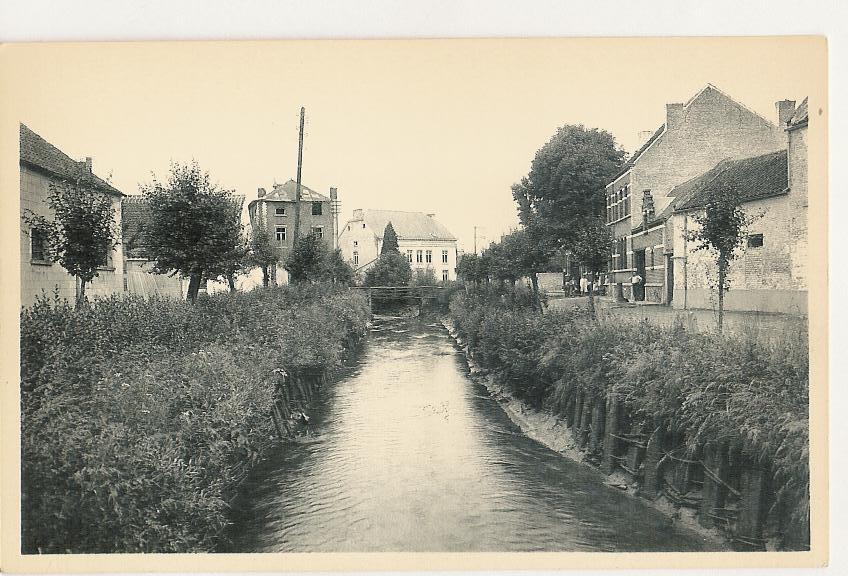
point(432, 126)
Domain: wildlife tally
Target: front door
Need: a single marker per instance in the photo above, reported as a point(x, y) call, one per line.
point(669, 278)
point(639, 264)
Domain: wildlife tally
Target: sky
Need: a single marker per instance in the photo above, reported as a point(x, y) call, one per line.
point(437, 126)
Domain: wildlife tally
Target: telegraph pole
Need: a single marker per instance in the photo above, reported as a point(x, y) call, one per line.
point(475, 240)
point(299, 166)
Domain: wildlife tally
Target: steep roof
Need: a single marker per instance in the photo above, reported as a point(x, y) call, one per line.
point(288, 192)
point(135, 214)
point(38, 153)
point(407, 225)
point(800, 118)
point(756, 178)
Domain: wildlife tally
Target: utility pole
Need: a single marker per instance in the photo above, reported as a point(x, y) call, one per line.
point(475, 240)
point(299, 166)
point(335, 206)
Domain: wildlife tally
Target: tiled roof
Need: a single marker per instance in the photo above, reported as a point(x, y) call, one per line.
point(407, 225)
point(135, 213)
point(800, 117)
point(755, 178)
point(40, 154)
point(288, 193)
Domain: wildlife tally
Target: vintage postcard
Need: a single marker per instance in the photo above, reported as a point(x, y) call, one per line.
point(414, 304)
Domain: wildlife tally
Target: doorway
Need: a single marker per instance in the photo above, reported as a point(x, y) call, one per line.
point(639, 264)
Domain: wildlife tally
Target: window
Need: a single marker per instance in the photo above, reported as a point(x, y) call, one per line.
point(280, 232)
point(755, 240)
point(103, 257)
point(280, 211)
point(355, 243)
point(429, 256)
point(444, 275)
point(363, 224)
point(419, 256)
point(409, 256)
point(318, 231)
point(317, 208)
point(38, 245)
point(356, 258)
point(444, 256)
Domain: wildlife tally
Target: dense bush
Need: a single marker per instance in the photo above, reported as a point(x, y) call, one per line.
point(141, 417)
point(749, 395)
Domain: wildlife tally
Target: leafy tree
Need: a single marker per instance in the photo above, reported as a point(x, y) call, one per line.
point(82, 234)
point(566, 182)
point(591, 248)
point(424, 277)
point(263, 251)
point(234, 262)
point(193, 227)
point(390, 269)
point(390, 240)
point(722, 228)
point(471, 268)
point(312, 261)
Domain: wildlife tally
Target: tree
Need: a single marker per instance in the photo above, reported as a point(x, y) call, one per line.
point(390, 269)
point(424, 277)
point(193, 225)
point(591, 248)
point(722, 228)
point(390, 240)
point(82, 234)
point(471, 268)
point(263, 252)
point(566, 182)
point(234, 262)
point(312, 261)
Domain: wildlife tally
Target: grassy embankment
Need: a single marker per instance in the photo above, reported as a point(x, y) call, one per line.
point(142, 417)
point(708, 394)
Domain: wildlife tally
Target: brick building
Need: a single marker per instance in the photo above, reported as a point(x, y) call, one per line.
point(43, 164)
point(275, 210)
point(697, 135)
point(424, 241)
point(770, 272)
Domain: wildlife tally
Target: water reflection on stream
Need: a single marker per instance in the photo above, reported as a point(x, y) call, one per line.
point(408, 454)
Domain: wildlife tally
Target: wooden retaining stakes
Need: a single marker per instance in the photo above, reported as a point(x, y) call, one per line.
point(585, 422)
point(611, 442)
point(716, 488)
point(596, 438)
point(751, 517)
point(652, 476)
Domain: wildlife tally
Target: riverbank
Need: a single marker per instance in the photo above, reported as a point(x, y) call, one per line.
point(552, 432)
point(142, 417)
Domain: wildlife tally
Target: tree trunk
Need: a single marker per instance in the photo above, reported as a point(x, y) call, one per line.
point(265, 276)
point(722, 278)
point(592, 296)
point(537, 303)
point(194, 285)
point(80, 286)
point(231, 280)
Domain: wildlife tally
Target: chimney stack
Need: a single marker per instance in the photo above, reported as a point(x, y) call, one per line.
point(785, 110)
point(673, 115)
point(260, 193)
point(431, 215)
point(334, 193)
point(88, 162)
point(643, 136)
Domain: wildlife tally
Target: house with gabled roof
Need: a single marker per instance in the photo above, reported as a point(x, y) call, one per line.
point(696, 135)
point(769, 273)
point(424, 241)
point(274, 212)
point(41, 165)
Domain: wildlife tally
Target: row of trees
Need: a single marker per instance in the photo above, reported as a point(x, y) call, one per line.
point(194, 230)
point(561, 206)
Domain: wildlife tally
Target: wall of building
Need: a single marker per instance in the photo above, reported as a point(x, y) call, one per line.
point(762, 279)
point(437, 247)
point(37, 277)
point(798, 197)
point(620, 229)
point(354, 238)
point(266, 210)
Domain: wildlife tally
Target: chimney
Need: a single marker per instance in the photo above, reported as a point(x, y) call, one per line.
point(88, 162)
point(431, 215)
point(260, 193)
point(357, 214)
point(785, 110)
point(673, 116)
point(644, 135)
point(334, 193)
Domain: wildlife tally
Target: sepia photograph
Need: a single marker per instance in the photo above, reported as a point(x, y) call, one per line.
point(417, 296)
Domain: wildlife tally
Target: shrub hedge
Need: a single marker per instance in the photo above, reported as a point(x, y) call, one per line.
point(140, 417)
point(712, 389)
